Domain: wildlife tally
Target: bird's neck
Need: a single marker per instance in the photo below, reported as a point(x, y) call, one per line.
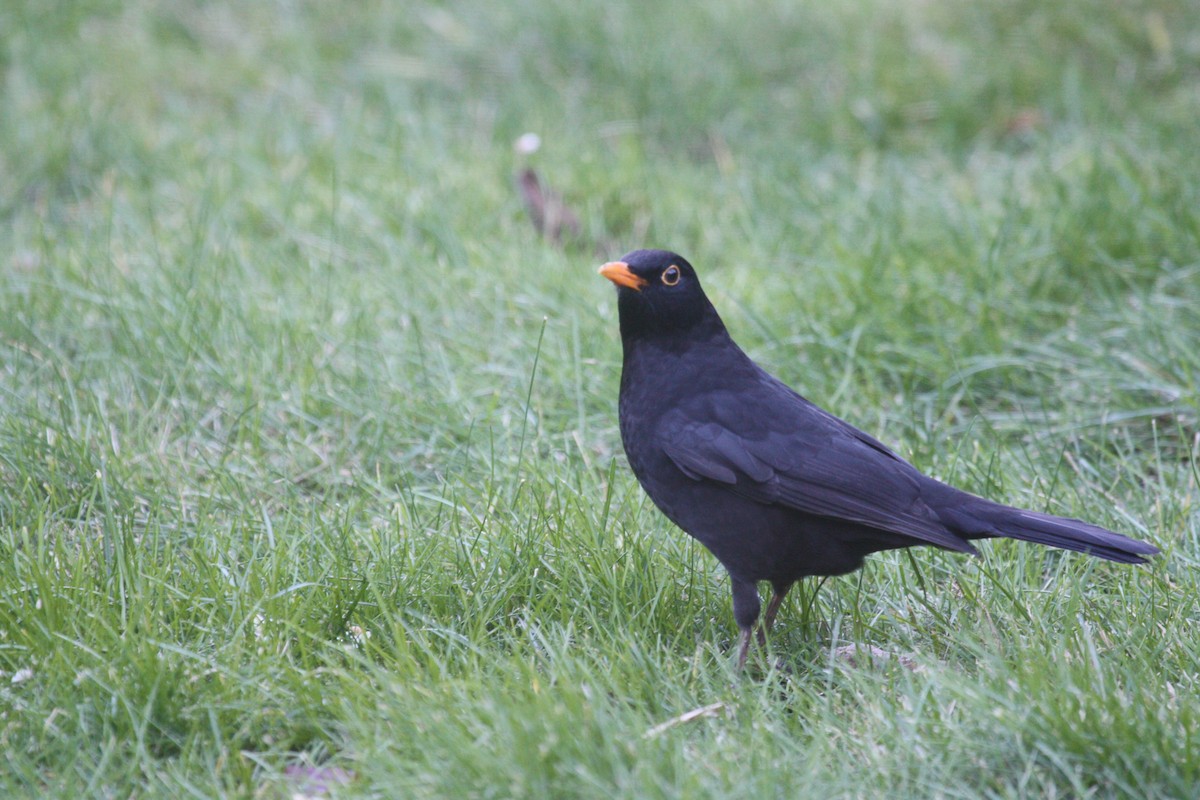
point(655, 350)
point(637, 339)
point(678, 329)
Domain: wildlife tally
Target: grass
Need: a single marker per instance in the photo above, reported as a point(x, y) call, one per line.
point(308, 448)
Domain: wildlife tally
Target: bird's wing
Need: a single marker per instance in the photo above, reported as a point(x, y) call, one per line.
point(775, 447)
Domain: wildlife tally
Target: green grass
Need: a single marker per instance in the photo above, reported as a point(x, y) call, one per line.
point(308, 444)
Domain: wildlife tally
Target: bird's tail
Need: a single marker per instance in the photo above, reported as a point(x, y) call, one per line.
point(977, 518)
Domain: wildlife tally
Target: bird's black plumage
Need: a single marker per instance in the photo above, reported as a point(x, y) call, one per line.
point(774, 486)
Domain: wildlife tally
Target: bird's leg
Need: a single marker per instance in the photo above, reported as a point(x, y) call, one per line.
point(743, 648)
point(780, 592)
point(746, 606)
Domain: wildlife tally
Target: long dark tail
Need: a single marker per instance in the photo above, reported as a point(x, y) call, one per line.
point(976, 518)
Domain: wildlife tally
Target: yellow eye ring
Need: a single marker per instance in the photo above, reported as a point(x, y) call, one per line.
point(670, 275)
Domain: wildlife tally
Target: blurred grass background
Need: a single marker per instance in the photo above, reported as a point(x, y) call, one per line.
point(308, 449)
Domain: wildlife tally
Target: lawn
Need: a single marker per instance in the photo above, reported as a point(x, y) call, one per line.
point(309, 462)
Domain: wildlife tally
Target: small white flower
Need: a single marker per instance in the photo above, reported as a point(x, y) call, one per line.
point(527, 143)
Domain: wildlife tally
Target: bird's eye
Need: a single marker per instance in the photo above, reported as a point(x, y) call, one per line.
point(670, 275)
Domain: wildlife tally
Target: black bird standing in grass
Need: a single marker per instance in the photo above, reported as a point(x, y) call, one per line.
point(775, 487)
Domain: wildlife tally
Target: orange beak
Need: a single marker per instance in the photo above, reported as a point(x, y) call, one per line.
point(619, 273)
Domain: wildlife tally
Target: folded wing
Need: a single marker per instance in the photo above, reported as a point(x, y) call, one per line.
point(777, 448)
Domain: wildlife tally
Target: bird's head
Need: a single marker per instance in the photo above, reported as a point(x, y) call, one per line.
point(658, 293)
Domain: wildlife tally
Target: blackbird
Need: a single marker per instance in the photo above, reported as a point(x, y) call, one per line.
point(775, 487)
